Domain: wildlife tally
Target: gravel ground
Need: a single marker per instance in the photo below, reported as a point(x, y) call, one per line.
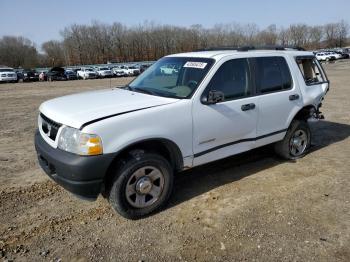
point(252, 207)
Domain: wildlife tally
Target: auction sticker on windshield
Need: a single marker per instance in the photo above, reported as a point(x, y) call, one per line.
point(199, 65)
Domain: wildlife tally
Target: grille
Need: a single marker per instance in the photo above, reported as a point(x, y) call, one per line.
point(49, 127)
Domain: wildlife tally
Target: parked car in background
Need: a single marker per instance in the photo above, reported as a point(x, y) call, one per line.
point(144, 67)
point(103, 72)
point(335, 54)
point(120, 71)
point(76, 70)
point(8, 74)
point(169, 69)
point(19, 73)
point(71, 75)
point(30, 76)
point(343, 55)
point(133, 70)
point(325, 56)
point(56, 74)
point(86, 73)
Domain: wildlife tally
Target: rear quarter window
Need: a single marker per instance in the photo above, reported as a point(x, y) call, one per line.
point(310, 69)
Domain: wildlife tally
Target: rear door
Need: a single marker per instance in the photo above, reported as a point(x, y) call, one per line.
point(279, 97)
point(228, 127)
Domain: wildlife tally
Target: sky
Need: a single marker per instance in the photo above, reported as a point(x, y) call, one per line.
point(42, 20)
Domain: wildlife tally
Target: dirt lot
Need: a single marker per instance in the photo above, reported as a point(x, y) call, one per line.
point(251, 207)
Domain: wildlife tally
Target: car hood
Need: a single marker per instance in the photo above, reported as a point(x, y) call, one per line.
point(78, 109)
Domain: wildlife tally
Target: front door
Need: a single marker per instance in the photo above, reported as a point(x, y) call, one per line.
point(227, 127)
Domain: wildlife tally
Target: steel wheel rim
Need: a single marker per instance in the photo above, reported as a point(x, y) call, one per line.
point(298, 143)
point(144, 187)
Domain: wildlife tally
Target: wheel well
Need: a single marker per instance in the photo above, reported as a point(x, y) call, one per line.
point(305, 113)
point(166, 148)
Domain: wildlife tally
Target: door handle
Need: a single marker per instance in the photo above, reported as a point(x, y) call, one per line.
point(294, 97)
point(248, 107)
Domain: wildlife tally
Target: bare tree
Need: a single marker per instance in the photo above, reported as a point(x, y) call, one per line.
point(342, 30)
point(54, 53)
point(99, 42)
point(18, 52)
point(330, 34)
point(268, 36)
point(316, 34)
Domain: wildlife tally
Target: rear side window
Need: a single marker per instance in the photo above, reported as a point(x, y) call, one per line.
point(310, 70)
point(232, 78)
point(272, 74)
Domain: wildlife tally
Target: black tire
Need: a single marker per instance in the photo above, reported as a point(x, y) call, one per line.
point(284, 149)
point(117, 194)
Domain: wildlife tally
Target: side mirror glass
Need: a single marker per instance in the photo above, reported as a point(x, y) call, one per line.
point(214, 97)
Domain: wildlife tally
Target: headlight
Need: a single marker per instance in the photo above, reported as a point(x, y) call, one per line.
point(74, 141)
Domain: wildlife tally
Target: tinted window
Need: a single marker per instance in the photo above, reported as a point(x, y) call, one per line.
point(232, 78)
point(272, 74)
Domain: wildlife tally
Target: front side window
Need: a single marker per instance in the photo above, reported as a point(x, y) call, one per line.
point(232, 78)
point(176, 77)
point(310, 70)
point(272, 74)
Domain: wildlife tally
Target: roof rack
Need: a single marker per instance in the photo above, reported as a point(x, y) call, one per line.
point(248, 48)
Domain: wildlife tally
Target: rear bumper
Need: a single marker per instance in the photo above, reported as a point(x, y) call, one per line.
point(80, 175)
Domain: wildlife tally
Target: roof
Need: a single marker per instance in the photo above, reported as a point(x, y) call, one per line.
point(218, 54)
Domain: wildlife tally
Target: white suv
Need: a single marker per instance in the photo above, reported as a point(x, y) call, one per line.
point(127, 143)
point(103, 72)
point(8, 74)
point(86, 73)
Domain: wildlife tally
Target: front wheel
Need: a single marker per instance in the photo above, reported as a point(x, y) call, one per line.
point(142, 185)
point(296, 142)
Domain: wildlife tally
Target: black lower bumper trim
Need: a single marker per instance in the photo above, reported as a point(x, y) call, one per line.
point(80, 175)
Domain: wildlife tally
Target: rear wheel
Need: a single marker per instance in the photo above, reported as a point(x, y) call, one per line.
point(142, 185)
point(297, 141)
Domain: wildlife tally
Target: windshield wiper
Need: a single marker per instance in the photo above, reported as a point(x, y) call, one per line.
point(143, 90)
point(127, 87)
point(147, 91)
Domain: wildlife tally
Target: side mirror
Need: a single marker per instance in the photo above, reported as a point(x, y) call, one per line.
point(214, 97)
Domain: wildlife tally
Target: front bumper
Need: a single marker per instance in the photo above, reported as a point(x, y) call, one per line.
point(91, 76)
point(8, 78)
point(80, 175)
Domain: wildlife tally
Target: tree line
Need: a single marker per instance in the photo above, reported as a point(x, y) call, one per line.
point(98, 42)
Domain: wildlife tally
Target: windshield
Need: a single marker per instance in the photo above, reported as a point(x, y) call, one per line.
point(176, 77)
point(88, 69)
point(6, 70)
point(104, 68)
